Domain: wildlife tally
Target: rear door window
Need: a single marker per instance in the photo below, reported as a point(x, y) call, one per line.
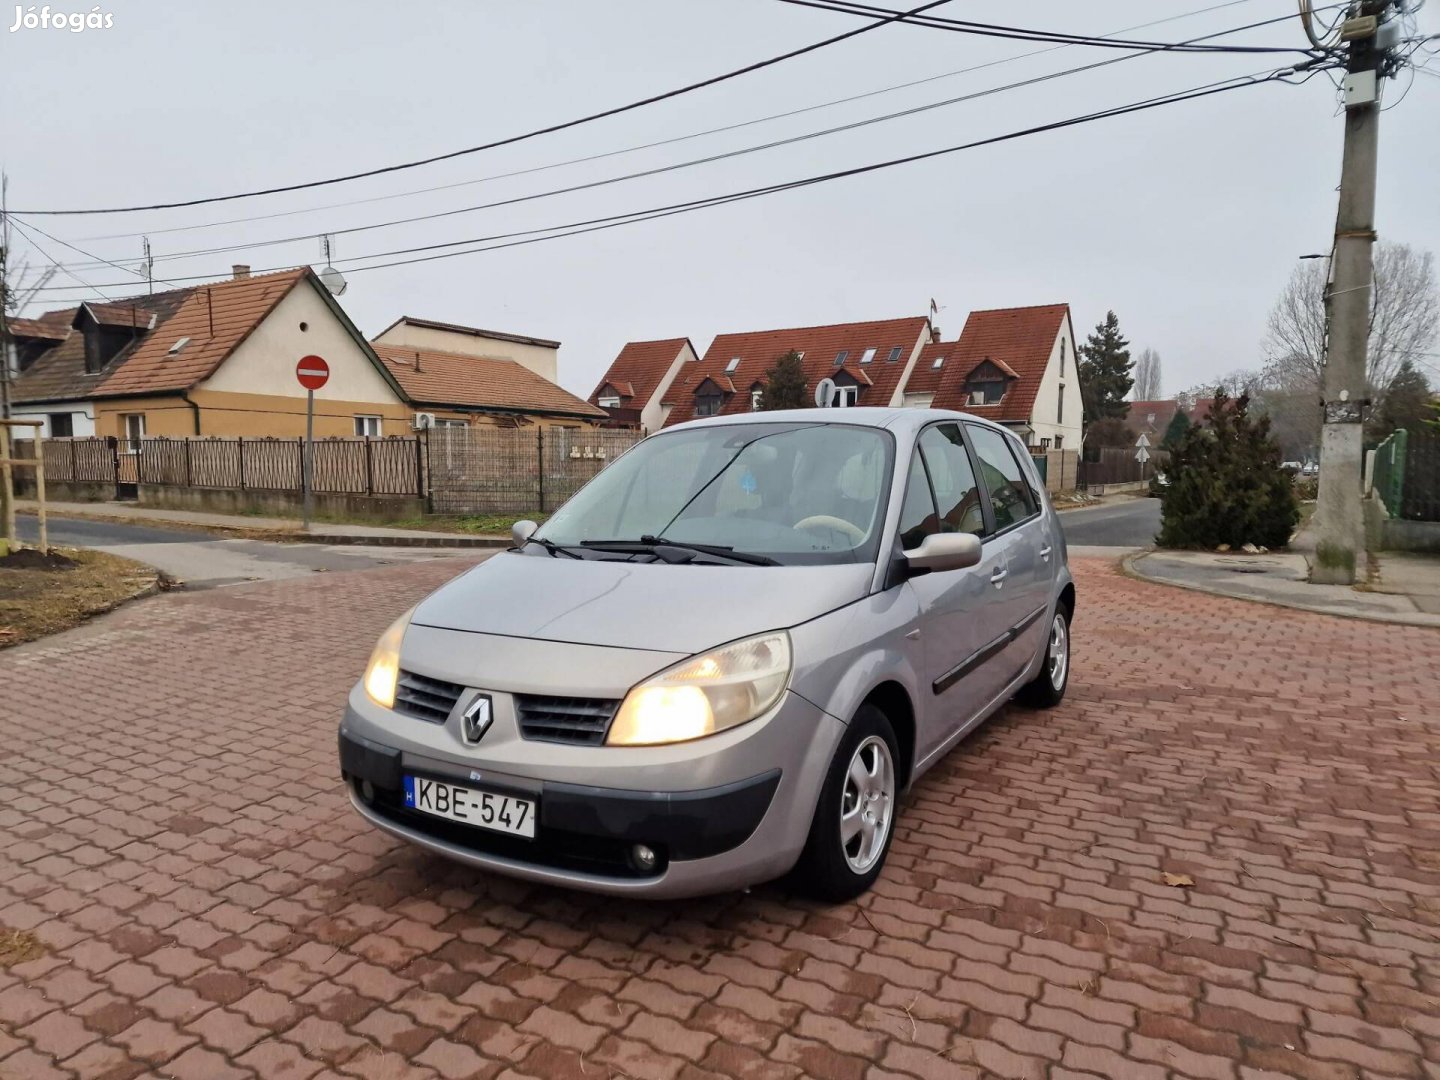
point(1010, 494)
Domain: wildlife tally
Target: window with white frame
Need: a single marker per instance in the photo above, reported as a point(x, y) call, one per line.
point(867, 356)
point(846, 396)
point(367, 426)
point(757, 396)
point(732, 365)
point(133, 424)
point(610, 401)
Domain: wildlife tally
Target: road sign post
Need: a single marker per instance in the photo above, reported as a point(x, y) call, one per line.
point(312, 372)
point(1142, 452)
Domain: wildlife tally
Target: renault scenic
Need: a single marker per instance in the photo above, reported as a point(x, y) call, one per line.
point(724, 659)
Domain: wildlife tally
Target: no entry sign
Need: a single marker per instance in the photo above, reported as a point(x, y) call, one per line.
point(312, 372)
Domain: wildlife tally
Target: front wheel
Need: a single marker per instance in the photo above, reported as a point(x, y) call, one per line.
point(855, 816)
point(1047, 689)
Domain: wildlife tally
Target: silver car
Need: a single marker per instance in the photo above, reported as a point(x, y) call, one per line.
point(722, 660)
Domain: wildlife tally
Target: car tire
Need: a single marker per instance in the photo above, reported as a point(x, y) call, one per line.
point(1047, 689)
point(833, 867)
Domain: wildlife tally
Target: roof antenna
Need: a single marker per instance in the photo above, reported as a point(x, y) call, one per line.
point(331, 278)
point(146, 269)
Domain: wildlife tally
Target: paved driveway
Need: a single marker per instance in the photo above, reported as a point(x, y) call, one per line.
point(171, 827)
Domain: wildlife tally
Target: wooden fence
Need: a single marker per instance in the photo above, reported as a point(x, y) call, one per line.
point(1117, 465)
point(461, 470)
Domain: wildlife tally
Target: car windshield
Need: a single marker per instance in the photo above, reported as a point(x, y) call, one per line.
point(795, 493)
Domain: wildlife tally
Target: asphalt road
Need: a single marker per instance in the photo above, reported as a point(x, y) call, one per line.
point(1131, 523)
point(201, 560)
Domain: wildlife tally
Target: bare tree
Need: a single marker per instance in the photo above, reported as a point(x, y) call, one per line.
point(1147, 376)
point(1404, 319)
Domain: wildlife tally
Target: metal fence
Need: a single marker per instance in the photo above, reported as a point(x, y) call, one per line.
point(1388, 479)
point(1420, 499)
point(512, 471)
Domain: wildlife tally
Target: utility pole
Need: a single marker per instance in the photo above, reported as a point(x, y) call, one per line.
point(1339, 517)
point(5, 350)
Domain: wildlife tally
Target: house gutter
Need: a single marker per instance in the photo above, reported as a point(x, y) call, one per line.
point(194, 409)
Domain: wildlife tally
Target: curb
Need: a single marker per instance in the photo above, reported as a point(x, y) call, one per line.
point(1128, 568)
point(285, 536)
point(458, 541)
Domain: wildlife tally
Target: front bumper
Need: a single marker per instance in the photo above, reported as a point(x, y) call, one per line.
point(748, 827)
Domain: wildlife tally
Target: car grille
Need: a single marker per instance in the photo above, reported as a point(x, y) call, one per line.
point(564, 720)
point(425, 698)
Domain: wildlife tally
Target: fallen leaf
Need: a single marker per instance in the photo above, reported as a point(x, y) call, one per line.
point(1178, 881)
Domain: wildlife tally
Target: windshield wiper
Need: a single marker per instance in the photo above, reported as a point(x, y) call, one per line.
point(555, 550)
point(653, 544)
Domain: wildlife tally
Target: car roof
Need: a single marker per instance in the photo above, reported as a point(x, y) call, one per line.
point(898, 420)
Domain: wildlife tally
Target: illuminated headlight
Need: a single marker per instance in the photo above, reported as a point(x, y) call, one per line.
point(705, 694)
point(383, 671)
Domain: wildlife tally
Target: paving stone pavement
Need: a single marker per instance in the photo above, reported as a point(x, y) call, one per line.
point(173, 830)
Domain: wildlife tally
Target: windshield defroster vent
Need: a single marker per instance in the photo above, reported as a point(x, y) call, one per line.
point(425, 698)
point(583, 721)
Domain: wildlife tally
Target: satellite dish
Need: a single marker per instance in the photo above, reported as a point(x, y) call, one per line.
point(824, 393)
point(333, 280)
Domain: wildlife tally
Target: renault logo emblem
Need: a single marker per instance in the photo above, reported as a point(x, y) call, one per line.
point(476, 720)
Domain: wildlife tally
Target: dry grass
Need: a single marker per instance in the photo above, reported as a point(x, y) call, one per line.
point(36, 600)
point(18, 946)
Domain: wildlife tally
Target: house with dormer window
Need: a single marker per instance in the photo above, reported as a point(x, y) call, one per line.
point(1016, 366)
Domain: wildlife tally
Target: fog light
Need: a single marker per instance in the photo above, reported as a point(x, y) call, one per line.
point(367, 791)
point(644, 858)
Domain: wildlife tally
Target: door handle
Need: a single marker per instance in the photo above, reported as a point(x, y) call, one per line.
point(998, 577)
point(1045, 552)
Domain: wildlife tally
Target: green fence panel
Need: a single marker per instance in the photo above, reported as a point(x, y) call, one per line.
point(1389, 475)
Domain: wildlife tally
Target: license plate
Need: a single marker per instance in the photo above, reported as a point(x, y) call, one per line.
point(483, 809)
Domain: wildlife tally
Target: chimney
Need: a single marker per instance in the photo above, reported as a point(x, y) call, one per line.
point(934, 334)
point(417, 359)
point(240, 271)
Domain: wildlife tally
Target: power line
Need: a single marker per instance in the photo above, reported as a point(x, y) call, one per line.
point(699, 134)
point(1016, 33)
point(25, 231)
point(743, 151)
point(98, 261)
point(510, 140)
point(598, 224)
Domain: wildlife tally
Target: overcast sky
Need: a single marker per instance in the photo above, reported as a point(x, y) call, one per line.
point(1185, 220)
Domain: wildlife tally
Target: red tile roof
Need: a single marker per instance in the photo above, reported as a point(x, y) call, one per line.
point(38, 329)
point(476, 382)
point(757, 351)
point(639, 369)
point(216, 318)
point(125, 314)
point(1019, 340)
point(1140, 412)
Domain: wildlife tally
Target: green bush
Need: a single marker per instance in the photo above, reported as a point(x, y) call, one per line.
point(1226, 485)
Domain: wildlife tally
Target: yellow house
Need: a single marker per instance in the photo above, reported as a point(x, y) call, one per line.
point(215, 359)
point(219, 360)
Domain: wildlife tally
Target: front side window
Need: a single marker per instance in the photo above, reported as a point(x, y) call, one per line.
point(798, 493)
point(918, 518)
point(957, 497)
point(367, 426)
point(1010, 494)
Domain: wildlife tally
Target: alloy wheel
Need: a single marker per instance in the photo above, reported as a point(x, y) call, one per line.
point(1058, 655)
point(867, 804)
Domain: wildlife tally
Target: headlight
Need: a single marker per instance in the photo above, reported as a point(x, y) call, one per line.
point(705, 694)
point(383, 671)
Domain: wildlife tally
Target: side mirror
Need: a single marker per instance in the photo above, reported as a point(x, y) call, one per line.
point(521, 531)
point(944, 551)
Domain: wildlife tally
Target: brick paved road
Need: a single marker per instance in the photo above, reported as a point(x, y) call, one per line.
point(172, 828)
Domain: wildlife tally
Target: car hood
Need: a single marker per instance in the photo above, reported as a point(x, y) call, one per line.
point(656, 606)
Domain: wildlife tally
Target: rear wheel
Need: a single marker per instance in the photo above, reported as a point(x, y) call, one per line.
point(1047, 689)
point(855, 817)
